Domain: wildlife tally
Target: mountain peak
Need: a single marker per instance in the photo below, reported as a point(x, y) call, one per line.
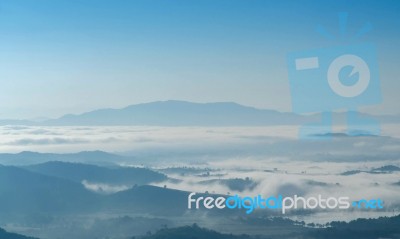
point(181, 113)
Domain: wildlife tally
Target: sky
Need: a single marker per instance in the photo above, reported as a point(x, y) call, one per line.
point(70, 56)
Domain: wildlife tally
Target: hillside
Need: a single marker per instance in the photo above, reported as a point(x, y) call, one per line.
point(78, 172)
point(192, 232)
point(9, 235)
point(27, 192)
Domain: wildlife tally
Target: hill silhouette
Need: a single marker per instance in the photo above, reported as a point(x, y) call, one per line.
point(28, 192)
point(78, 172)
point(180, 113)
point(92, 157)
point(384, 227)
point(192, 232)
point(8, 235)
point(183, 113)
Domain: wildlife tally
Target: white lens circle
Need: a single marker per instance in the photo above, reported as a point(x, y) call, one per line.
point(359, 65)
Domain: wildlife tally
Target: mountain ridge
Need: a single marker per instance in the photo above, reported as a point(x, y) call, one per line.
point(97, 157)
point(184, 113)
point(180, 113)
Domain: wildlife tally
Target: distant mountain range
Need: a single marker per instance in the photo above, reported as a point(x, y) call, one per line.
point(382, 170)
point(182, 113)
point(91, 157)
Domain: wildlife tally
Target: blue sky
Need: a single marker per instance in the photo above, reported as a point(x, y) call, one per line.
point(71, 56)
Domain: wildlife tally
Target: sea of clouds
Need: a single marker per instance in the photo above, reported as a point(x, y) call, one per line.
point(273, 157)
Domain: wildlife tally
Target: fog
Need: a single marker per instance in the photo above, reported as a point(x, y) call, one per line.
point(270, 161)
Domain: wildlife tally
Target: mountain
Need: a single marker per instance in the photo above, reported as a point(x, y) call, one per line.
point(22, 191)
point(192, 232)
point(26, 192)
point(29, 193)
point(387, 168)
point(160, 201)
point(383, 227)
point(78, 172)
point(381, 170)
point(93, 157)
point(9, 235)
point(150, 200)
point(181, 113)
